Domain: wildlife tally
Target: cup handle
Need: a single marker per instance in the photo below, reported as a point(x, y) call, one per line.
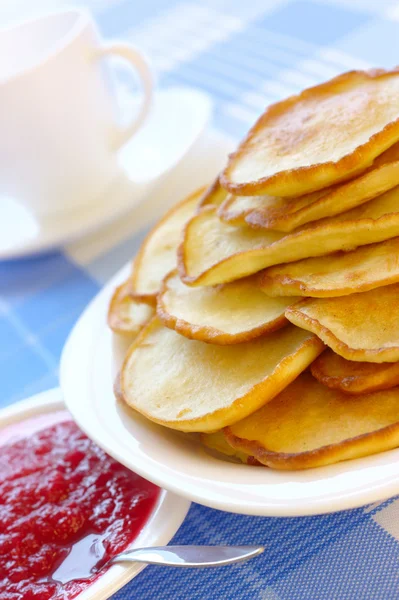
point(122, 134)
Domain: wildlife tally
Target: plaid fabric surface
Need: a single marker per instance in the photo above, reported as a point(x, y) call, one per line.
point(245, 54)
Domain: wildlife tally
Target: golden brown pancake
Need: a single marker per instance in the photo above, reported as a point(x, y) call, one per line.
point(227, 314)
point(326, 134)
point(214, 195)
point(217, 442)
point(192, 386)
point(126, 314)
point(359, 327)
point(354, 377)
point(157, 255)
point(340, 274)
point(214, 252)
point(309, 425)
point(282, 214)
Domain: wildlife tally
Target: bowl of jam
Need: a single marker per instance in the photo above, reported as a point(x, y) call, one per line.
point(67, 507)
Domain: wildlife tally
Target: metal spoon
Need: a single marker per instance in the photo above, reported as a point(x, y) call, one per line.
point(189, 556)
point(172, 556)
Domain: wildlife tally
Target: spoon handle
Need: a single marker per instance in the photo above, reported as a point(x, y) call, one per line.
point(189, 556)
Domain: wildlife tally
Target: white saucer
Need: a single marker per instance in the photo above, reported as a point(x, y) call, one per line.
point(166, 518)
point(178, 118)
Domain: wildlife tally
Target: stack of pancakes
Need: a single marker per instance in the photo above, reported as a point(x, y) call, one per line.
point(264, 308)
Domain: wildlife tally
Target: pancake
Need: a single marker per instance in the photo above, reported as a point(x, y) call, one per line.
point(193, 386)
point(157, 255)
point(322, 136)
point(214, 252)
point(214, 195)
point(359, 327)
point(354, 377)
point(309, 425)
point(227, 314)
point(217, 443)
point(343, 273)
point(126, 314)
point(282, 214)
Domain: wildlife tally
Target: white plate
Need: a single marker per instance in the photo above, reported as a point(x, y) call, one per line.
point(178, 118)
point(167, 516)
point(89, 363)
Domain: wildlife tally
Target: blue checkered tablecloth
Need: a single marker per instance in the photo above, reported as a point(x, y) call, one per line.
point(245, 54)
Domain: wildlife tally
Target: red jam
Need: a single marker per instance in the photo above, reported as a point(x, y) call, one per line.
point(61, 496)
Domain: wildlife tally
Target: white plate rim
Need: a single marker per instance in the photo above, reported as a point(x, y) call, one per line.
point(165, 520)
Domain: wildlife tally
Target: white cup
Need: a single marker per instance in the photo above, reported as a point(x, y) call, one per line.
point(58, 133)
